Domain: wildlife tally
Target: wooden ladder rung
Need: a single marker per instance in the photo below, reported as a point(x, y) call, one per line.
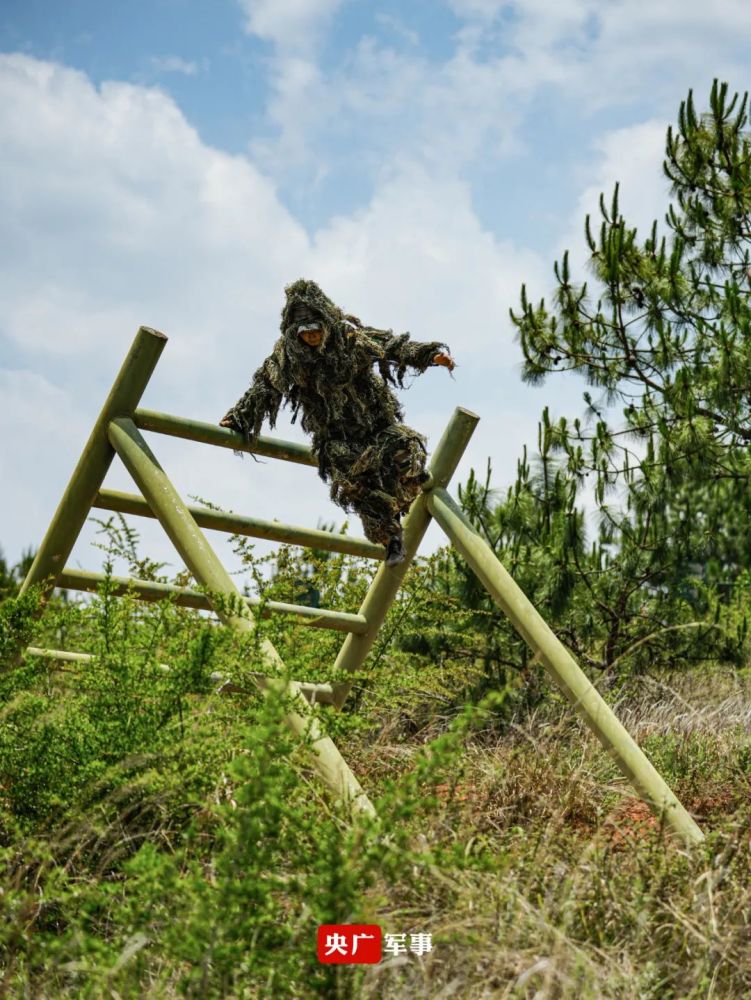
point(322, 693)
point(240, 524)
point(148, 590)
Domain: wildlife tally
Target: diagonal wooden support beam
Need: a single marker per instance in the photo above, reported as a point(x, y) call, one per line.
point(95, 459)
point(88, 475)
point(207, 568)
point(561, 666)
point(388, 579)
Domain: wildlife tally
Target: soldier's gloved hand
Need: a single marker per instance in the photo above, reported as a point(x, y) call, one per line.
point(445, 360)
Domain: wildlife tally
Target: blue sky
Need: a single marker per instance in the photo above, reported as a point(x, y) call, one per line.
point(176, 162)
point(223, 81)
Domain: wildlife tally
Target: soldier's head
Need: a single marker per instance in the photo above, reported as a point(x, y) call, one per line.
point(309, 317)
point(311, 334)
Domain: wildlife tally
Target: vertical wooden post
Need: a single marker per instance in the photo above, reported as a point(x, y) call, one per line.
point(388, 579)
point(561, 666)
point(207, 568)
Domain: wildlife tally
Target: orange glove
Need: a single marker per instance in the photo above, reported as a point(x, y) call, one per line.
point(445, 360)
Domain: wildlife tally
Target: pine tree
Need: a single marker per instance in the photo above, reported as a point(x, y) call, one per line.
point(669, 334)
point(666, 336)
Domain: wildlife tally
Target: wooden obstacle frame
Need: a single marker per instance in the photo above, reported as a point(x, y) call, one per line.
point(118, 431)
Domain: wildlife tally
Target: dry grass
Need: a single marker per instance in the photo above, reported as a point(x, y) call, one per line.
point(536, 870)
point(584, 894)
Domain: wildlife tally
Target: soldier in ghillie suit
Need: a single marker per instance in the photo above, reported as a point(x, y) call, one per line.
point(322, 366)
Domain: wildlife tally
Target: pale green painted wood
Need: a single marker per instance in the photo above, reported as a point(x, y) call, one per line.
point(197, 430)
point(206, 567)
point(313, 692)
point(240, 524)
point(388, 579)
point(561, 666)
point(148, 590)
point(95, 460)
point(66, 655)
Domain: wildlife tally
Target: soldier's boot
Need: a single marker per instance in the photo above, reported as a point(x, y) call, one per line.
point(395, 550)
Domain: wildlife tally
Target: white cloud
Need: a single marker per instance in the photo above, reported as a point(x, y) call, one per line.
point(483, 10)
point(300, 104)
point(631, 156)
point(101, 191)
point(614, 52)
point(118, 214)
point(446, 277)
point(288, 23)
point(37, 421)
point(665, 48)
point(398, 27)
point(389, 106)
point(174, 64)
point(471, 107)
point(115, 213)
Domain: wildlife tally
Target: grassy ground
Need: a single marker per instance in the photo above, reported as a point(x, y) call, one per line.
point(586, 895)
point(159, 840)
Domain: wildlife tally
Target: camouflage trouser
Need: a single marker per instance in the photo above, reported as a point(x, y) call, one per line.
point(379, 481)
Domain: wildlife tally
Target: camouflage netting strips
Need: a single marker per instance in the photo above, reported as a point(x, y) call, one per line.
point(322, 366)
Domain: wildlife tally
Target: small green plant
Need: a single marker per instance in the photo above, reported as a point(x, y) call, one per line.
point(161, 839)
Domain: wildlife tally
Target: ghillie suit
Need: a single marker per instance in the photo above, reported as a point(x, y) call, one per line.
point(322, 366)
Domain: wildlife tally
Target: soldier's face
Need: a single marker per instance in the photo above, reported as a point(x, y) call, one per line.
point(312, 338)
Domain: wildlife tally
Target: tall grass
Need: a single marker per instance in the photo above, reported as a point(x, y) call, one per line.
point(161, 839)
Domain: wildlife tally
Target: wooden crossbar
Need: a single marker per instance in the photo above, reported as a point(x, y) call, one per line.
point(321, 693)
point(65, 655)
point(223, 437)
point(254, 527)
point(186, 597)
